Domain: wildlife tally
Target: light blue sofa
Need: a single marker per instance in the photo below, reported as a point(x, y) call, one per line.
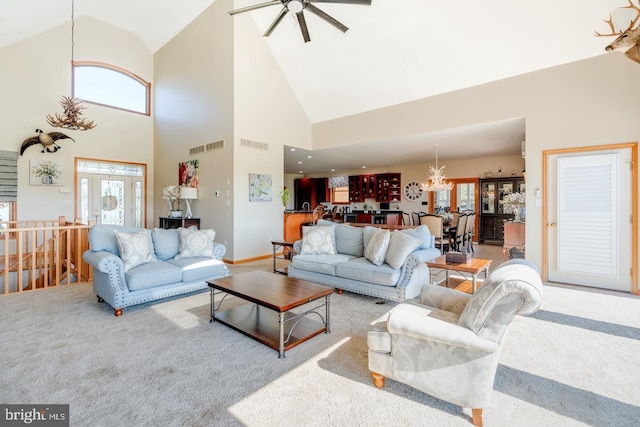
point(350, 270)
point(164, 277)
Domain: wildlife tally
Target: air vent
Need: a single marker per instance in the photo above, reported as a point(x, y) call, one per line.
point(196, 150)
point(217, 145)
point(254, 144)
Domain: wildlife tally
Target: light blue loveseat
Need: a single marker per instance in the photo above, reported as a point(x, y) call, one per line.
point(166, 274)
point(348, 269)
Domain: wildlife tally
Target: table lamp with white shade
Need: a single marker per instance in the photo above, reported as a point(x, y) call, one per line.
point(187, 194)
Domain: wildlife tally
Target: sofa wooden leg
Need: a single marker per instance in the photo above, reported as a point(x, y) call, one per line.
point(118, 312)
point(378, 380)
point(340, 291)
point(100, 299)
point(476, 415)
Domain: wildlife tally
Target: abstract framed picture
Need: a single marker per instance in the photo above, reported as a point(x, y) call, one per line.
point(188, 173)
point(45, 172)
point(260, 187)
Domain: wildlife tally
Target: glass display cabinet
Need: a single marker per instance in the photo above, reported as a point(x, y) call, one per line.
point(492, 215)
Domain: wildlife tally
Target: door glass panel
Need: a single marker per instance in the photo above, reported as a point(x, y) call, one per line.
point(112, 202)
point(138, 204)
point(443, 202)
point(84, 200)
point(466, 197)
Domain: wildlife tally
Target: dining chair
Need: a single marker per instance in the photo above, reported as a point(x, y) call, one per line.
point(457, 240)
point(468, 231)
point(435, 223)
point(408, 220)
point(415, 217)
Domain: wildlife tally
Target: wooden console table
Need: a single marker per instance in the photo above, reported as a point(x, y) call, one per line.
point(167, 222)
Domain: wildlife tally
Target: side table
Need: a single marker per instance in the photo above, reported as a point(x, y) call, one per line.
point(473, 267)
point(287, 254)
point(167, 222)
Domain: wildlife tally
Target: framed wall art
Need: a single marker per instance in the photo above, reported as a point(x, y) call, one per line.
point(188, 173)
point(260, 187)
point(45, 172)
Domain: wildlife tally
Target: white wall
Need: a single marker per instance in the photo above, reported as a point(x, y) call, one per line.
point(585, 103)
point(266, 111)
point(218, 80)
point(194, 106)
point(35, 74)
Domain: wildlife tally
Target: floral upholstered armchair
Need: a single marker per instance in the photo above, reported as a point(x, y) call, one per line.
point(447, 343)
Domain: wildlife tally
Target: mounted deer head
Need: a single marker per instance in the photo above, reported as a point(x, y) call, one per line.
point(627, 40)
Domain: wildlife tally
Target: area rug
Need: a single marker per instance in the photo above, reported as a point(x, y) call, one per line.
point(163, 364)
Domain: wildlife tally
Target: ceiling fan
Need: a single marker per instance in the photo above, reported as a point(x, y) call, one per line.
point(298, 7)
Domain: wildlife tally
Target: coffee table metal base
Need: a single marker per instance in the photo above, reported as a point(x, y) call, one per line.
point(280, 331)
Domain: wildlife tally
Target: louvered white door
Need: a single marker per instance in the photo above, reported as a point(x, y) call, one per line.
point(589, 228)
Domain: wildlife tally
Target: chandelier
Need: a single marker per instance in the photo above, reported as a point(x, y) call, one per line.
point(71, 118)
point(436, 180)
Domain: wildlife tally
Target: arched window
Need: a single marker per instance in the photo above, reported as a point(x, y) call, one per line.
point(111, 86)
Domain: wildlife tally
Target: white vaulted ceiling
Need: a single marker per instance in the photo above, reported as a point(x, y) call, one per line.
point(395, 50)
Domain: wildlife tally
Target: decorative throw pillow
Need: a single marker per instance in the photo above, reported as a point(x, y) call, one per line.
point(400, 246)
point(195, 243)
point(165, 243)
point(421, 233)
point(317, 240)
point(349, 240)
point(377, 247)
point(135, 248)
point(367, 234)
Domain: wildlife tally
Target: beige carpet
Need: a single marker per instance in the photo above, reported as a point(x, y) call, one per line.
point(573, 363)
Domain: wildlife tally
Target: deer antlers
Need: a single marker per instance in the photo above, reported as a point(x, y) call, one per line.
point(612, 26)
point(70, 119)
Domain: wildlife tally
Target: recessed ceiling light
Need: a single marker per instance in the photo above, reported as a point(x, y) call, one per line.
point(300, 172)
point(333, 170)
point(292, 149)
point(299, 163)
point(364, 167)
point(309, 157)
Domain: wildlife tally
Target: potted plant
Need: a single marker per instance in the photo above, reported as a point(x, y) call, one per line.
point(285, 195)
point(514, 203)
point(171, 194)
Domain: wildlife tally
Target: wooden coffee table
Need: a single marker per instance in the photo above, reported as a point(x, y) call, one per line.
point(268, 317)
point(473, 266)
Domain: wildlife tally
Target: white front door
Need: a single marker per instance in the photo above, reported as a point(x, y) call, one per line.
point(589, 218)
point(113, 199)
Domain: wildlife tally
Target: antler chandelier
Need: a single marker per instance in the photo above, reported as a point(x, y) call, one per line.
point(71, 115)
point(437, 179)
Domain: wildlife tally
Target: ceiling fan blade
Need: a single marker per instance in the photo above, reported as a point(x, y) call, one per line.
point(276, 22)
point(362, 2)
point(303, 26)
point(311, 8)
point(254, 7)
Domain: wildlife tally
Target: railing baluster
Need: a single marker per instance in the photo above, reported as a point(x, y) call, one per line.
point(48, 251)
